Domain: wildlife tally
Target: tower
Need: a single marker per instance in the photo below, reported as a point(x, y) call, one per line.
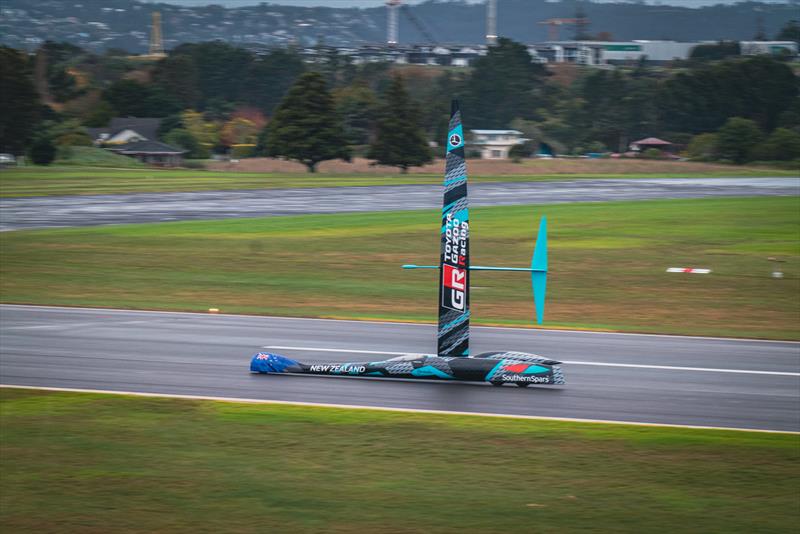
point(156, 42)
point(392, 6)
point(491, 22)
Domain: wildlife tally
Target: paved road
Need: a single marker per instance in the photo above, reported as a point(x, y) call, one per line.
point(731, 383)
point(91, 210)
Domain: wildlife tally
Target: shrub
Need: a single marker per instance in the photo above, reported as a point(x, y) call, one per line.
point(652, 153)
point(43, 151)
point(703, 147)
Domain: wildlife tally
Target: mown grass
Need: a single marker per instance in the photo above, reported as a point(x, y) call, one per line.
point(69, 180)
point(105, 463)
point(607, 263)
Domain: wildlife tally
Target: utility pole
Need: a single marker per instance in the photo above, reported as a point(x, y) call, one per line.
point(392, 7)
point(491, 22)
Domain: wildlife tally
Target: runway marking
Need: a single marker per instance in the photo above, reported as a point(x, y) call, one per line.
point(398, 323)
point(389, 409)
point(570, 362)
point(96, 324)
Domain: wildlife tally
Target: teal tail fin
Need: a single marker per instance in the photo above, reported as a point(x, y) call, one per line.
point(539, 270)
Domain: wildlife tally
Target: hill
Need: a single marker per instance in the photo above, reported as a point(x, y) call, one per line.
point(106, 24)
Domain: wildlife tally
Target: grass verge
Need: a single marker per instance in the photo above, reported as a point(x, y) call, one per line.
point(109, 463)
point(69, 180)
point(607, 262)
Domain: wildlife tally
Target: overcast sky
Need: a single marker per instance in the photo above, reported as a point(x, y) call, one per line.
point(378, 3)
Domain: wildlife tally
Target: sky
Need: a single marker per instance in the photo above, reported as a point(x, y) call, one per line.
point(378, 3)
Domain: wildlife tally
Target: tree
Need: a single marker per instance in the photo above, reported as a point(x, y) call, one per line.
point(703, 147)
point(20, 105)
point(503, 85)
point(305, 126)
point(400, 141)
point(43, 151)
point(130, 98)
point(178, 75)
point(701, 100)
point(205, 133)
point(789, 32)
point(178, 137)
point(269, 77)
point(781, 145)
point(737, 138)
point(238, 131)
point(356, 105)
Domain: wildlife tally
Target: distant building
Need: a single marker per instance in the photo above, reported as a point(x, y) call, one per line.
point(123, 130)
point(650, 51)
point(495, 144)
point(776, 48)
point(152, 152)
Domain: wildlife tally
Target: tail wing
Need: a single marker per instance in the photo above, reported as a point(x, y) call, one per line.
point(539, 270)
point(453, 334)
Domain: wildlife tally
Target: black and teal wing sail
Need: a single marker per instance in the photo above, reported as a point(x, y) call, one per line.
point(453, 334)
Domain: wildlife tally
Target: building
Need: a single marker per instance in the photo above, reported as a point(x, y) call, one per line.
point(152, 152)
point(123, 130)
point(495, 144)
point(651, 51)
point(639, 147)
point(776, 48)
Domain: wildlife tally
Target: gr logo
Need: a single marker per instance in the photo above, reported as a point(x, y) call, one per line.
point(455, 288)
point(455, 140)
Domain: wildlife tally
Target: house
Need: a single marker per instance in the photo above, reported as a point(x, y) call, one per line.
point(651, 142)
point(495, 144)
point(151, 152)
point(123, 130)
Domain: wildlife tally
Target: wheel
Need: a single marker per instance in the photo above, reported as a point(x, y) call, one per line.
point(522, 384)
point(497, 384)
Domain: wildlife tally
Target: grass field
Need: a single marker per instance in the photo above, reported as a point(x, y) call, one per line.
point(607, 262)
point(104, 463)
point(72, 180)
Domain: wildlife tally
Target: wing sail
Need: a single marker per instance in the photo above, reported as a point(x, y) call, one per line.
point(453, 334)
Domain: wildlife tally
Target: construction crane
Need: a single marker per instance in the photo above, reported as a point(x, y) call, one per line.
point(393, 6)
point(156, 41)
point(391, 21)
point(491, 22)
point(553, 25)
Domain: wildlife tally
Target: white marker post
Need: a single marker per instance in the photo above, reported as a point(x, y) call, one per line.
point(690, 270)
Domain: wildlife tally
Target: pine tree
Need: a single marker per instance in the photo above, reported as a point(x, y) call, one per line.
point(400, 141)
point(19, 105)
point(305, 127)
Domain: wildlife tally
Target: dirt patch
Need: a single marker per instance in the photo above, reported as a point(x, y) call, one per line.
point(481, 167)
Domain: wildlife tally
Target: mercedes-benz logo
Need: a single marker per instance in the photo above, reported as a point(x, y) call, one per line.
point(455, 140)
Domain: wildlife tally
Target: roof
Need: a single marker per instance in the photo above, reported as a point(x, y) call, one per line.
point(496, 132)
point(651, 141)
point(145, 126)
point(147, 147)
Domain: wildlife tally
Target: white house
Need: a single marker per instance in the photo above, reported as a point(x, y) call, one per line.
point(495, 144)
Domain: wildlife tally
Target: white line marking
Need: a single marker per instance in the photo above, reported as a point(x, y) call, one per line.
point(599, 364)
point(95, 324)
point(387, 409)
point(427, 325)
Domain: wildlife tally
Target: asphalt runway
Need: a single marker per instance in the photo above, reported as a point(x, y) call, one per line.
point(618, 377)
point(93, 210)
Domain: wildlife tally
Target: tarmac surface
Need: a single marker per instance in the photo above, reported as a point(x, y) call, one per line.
point(93, 210)
point(618, 377)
